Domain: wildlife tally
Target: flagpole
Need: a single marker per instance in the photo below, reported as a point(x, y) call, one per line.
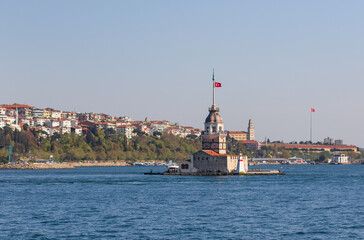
point(213, 83)
point(311, 126)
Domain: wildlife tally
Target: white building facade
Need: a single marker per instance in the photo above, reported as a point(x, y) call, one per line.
point(340, 159)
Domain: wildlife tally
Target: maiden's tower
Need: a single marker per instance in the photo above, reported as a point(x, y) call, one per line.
point(213, 158)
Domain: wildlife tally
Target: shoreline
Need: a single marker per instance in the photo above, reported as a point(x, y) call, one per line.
point(68, 165)
point(71, 165)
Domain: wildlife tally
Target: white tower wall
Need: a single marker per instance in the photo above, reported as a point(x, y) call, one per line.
point(242, 166)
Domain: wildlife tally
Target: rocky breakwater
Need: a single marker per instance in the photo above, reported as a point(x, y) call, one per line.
point(102, 164)
point(64, 165)
point(37, 166)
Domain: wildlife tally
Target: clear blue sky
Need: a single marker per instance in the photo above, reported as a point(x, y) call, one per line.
point(275, 60)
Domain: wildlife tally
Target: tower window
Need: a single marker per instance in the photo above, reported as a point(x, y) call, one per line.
point(214, 129)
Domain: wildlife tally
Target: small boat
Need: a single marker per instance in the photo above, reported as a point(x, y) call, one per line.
point(138, 164)
point(172, 169)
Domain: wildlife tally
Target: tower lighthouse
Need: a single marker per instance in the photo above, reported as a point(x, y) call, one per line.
point(213, 158)
point(214, 136)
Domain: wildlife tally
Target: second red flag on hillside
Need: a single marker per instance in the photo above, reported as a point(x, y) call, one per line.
point(217, 84)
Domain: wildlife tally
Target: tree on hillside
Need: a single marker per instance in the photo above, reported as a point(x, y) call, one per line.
point(285, 154)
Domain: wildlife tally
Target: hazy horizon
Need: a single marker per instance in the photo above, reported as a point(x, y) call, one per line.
point(275, 60)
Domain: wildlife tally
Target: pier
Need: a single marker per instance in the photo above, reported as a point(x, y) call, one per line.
point(249, 173)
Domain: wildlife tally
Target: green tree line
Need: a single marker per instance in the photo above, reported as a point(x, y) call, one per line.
point(106, 145)
point(95, 145)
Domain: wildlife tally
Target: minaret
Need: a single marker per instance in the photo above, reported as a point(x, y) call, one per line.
point(250, 130)
point(214, 136)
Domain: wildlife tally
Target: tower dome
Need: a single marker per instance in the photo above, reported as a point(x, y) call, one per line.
point(214, 123)
point(214, 116)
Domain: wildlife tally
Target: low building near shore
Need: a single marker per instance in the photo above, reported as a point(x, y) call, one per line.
point(318, 147)
point(297, 160)
point(340, 159)
point(256, 161)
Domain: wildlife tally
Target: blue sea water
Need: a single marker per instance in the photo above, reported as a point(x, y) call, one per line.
point(310, 202)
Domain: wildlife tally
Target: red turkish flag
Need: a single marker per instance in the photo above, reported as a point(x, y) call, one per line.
point(217, 84)
point(312, 110)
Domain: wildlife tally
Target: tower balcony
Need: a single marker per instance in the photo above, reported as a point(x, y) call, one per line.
point(214, 108)
point(219, 132)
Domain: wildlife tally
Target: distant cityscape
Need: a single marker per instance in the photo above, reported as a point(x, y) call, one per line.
point(50, 121)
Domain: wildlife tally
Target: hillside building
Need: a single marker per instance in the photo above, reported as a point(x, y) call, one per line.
point(329, 141)
point(251, 136)
point(244, 136)
point(251, 144)
point(319, 148)
point(238, 135)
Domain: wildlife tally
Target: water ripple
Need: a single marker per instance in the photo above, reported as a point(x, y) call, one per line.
point(310, 202)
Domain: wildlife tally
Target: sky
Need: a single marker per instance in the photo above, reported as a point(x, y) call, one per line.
point(275, 60)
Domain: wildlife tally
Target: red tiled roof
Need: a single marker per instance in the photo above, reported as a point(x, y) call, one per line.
point(213, 153)
point(318, 146)
point(159, 122)
point(248, 141)
point(124, 126)
point(16, 105)
point(237, 132)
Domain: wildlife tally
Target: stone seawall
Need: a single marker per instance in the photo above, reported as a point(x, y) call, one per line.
point(64, 165)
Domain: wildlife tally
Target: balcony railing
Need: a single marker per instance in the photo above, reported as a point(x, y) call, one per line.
point(215, 109)
point(219, 132)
